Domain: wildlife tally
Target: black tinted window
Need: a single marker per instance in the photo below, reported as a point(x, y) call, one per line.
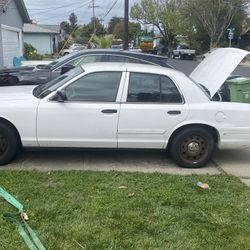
point(152, 88)
point(169, 92)
point(99, 87)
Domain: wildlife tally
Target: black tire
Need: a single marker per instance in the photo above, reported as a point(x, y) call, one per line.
point(192, 147)
point(66, 53)
point(9, 143)
point(192, 57)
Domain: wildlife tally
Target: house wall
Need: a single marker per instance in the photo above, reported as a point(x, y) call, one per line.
point(11, 18)
point(42, 42)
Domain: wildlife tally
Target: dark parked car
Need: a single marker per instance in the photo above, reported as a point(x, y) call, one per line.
point(41, 74)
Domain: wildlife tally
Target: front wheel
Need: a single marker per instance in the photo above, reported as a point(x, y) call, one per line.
point(9, 143)
point(192, 147)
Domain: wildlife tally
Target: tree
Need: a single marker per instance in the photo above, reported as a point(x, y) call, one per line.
point(133, 28)
point(73, 21)
point(246, 23)
point(163, 14)
point(85, 32)
point(65, 26)
point(112, 23)
point(215, 16)
point(99, 28)
point(103, 41)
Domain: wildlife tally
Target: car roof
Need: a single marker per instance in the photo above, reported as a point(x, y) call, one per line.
point(154, 59)
point(119, 52)
point(132, 67)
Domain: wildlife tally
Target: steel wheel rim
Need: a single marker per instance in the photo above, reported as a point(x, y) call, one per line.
point(3, 144)
point(194, 149)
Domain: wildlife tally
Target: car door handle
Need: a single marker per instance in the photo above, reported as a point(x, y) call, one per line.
point(109, 111)
point(174, 112)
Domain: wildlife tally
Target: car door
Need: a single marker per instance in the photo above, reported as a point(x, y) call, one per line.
point(152, 106)
point(88, 117)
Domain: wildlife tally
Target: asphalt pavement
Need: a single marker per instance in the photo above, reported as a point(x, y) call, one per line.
point(187, 66)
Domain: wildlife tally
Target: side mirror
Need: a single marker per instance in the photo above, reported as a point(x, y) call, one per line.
point(60, 96)
point(66, 68)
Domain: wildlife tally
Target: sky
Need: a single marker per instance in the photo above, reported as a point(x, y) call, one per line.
point(56, 11)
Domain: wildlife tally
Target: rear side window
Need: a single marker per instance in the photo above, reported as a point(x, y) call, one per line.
point(152, 88)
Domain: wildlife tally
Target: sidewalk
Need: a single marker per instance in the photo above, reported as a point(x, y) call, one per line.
point(232, 162)
point(235, 162)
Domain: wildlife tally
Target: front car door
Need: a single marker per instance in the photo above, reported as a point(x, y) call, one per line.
point(88, 117)
point(152, 106)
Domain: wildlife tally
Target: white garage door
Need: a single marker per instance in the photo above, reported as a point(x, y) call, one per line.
point(11, 46)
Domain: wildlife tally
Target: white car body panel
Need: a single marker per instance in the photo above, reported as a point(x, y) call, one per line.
point(76, 125)
point(213, 71)
point(19, 106)
point(147, 125)
point(135, 125)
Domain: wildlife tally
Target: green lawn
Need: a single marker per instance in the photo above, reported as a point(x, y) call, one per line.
point(166, 212)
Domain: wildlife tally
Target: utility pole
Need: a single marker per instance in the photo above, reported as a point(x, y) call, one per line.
point(93, 6)
point(125, 46)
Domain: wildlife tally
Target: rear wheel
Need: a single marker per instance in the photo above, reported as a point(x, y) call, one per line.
point(182, 57)
point(192, 147)
point(9, 143)
point(172, 55)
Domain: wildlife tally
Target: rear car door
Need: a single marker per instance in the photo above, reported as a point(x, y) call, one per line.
point(152, 106)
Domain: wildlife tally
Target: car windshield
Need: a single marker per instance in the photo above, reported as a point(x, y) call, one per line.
point(59, 61)
point(43, 90)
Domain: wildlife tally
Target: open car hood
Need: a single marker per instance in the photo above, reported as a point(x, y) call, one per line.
point(213, 71)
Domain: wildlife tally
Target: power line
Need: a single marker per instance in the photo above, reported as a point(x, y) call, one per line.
point(61, 7)
point(112, 6)
point(68, 12)
point(58, 7)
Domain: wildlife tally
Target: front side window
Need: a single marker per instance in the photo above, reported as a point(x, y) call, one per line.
point(43, 90)
point(94, 87)
point(154, 88)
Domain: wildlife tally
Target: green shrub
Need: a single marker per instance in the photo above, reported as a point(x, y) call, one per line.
point(248, 48)
point(30, 53)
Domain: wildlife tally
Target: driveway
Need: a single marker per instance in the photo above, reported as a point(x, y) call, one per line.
point(233, 162)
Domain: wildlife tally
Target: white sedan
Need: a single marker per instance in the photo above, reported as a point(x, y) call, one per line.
point(128, 106)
